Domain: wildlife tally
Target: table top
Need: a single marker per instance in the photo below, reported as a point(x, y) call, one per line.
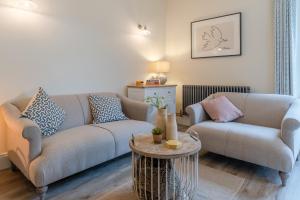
point(143, 145)
point(150, 86)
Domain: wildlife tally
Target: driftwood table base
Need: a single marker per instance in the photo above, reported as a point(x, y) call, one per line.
point(159, 174)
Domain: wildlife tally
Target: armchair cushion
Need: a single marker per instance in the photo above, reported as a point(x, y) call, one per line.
point(252, 143)
point(220, 109)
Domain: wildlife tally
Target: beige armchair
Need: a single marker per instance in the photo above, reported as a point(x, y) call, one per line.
point(267, 135)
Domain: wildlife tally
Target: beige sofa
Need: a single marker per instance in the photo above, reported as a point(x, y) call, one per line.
point(267, 135)
point(77, 146)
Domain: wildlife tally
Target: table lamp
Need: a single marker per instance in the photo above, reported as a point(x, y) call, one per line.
point(160, 68)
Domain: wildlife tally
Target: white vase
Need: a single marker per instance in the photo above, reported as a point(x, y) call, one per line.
point(171, 127)
point(161, 120)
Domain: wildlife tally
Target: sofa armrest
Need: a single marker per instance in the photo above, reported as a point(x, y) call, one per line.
point(290, 128)
point(138, 110)
point(196, 113)
point(23, 135)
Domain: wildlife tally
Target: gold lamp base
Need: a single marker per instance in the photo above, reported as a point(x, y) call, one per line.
point(161, 77)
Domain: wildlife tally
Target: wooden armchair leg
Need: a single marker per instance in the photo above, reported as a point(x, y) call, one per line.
point(13, 167)
point(41, 191)
point(284, 177)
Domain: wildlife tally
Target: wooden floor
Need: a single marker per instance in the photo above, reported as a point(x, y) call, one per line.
point(261, 183)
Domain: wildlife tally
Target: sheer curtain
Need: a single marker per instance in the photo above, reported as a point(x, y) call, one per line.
point(285, 46)
point(297, 61)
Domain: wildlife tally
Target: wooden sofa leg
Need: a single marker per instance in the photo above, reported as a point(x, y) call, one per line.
point(13, 167)
point(284, 177)
point(41, 191)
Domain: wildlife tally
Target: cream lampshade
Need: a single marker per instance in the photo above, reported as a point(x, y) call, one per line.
point(160, 68)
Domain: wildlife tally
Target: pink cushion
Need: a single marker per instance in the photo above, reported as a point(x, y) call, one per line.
point(220, 109)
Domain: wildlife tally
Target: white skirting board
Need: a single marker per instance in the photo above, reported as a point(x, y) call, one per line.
point(4, 162)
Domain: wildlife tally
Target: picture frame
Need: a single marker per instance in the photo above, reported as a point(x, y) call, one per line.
point(217, 37)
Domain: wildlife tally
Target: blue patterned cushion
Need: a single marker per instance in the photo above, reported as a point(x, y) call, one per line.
point(106, 109)
point(45, 113)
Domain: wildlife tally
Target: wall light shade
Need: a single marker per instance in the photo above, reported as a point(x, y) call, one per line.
point(144, 30)
point(26, 4)
point(21, 4)
point(160, 67)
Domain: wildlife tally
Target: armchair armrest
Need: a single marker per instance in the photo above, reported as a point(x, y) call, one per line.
point(290, 128)
point(23, 135)
point(196, 113)
point(138, 110)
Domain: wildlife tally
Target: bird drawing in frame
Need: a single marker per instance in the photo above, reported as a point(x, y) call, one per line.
point(213, 39)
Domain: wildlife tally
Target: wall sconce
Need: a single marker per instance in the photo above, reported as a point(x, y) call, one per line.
point(21, 4)
point(26, 4)
point(144, 30)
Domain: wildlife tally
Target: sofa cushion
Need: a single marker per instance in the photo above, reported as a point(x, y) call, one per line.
point(84, 101)
point(260, 109)
point(266, 109)
point(69, 152)
point(45, 112)
point(255, 144)
point(123, 130)
point(220, 109)
point(106, 109)
point(74, 116)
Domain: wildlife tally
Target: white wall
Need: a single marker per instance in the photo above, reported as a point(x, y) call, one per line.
point(76, 46)
point(73, 46)
point(254, 68)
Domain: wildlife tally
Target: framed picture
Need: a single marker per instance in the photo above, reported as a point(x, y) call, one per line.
point(217, 37)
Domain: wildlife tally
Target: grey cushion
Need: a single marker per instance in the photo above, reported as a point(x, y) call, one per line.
point(85, 106)
point(138, 110)
point(45, 112)
point(123, 130)
point(106, 109)
point(255, 144)
point(69, 152)
point(73, 111)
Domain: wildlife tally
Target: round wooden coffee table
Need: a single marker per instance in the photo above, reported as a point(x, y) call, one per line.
point(161, 173)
